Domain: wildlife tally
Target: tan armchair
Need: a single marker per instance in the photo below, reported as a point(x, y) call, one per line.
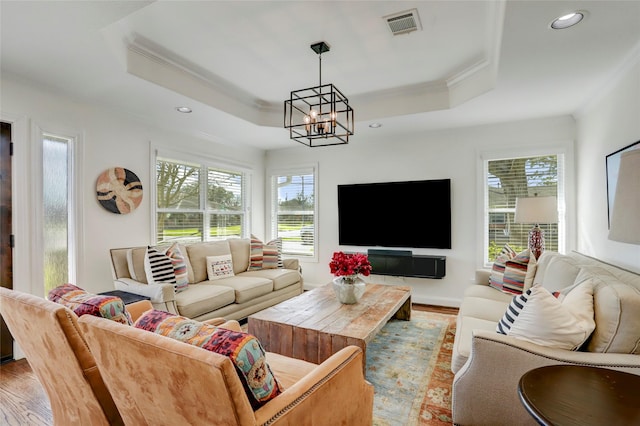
point(50, 338)
point(156, 380)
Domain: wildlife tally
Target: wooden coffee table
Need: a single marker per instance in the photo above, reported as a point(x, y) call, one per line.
point(314, 325)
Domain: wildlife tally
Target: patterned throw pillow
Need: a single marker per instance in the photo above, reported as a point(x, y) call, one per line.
point(265, 256)
point(83, 303)
point(219, 267)
point(243, 349)
point(499, 265)
point(519, 273)
point(168, 266)
point(179, 267)
point(537, 316)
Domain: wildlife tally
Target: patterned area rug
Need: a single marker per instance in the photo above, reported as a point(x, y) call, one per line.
point(409, 364)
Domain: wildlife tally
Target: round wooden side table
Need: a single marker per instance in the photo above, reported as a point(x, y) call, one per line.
point(580, 395)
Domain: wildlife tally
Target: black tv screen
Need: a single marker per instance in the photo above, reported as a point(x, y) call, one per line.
point(412, 214)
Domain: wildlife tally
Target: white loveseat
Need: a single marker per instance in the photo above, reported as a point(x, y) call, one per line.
point(249, 290)
point(488, 365)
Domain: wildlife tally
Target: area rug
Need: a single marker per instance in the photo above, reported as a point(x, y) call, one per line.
point(409, 365)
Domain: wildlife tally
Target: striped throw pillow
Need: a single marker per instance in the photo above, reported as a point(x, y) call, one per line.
point(169, 266)
point(499, 265)
point(519, 273)
point(265, 256)
point(514, 309)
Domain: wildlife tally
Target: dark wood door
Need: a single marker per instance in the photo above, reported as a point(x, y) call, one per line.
point(6, 249)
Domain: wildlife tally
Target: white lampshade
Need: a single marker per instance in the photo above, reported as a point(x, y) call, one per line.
point(536, 210)
point(625, 217)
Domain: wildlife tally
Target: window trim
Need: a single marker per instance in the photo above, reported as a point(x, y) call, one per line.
point(307, 168)
point(566, 189)
point(201, 159)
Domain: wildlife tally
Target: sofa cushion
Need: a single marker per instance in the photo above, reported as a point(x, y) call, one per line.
point(483, 308)
point(166, 266)
point(198, 256)
point(83, 303)
point(617, 313)
point(243, 349)
point(200, 299)
point(464, 336)
point(559, 273)
point(246, 288)
point(219, 267)
point(499, 265)
point(281, 277)
point(538, 317)
point(519, 273)
point(240, 248)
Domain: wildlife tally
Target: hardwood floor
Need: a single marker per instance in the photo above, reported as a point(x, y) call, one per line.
point(23, 400)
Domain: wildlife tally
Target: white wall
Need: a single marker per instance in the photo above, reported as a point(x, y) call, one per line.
point(107, 139)
point(377, 156)
point(611, 122)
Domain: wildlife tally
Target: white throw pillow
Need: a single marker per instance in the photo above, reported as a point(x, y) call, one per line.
point(219, 267)
point(538, 317)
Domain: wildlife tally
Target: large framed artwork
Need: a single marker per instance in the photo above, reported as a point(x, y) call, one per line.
point(613, 166)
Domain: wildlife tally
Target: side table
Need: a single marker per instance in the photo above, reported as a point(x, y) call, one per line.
point(581, 395)
point(126, 297)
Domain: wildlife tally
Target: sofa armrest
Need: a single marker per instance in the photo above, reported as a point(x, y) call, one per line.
point(159, 293)
point(291, 263)
point(482, 276)
point(319, 397)
point(497, 362)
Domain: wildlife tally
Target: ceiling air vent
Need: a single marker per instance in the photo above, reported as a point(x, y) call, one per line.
point(403, 22)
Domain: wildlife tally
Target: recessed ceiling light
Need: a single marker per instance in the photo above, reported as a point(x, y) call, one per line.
point(375, 125)
point(184, 109)
point(567, 20)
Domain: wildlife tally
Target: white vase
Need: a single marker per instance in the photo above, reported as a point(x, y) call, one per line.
point(349, 289)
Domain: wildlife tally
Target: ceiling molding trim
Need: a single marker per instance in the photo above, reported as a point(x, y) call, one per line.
point(482, 75)
point(174, 76)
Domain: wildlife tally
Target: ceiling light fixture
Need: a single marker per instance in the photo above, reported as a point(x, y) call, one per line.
point(375, 125)
point(184, 109)
point(567, 21)
point(320, 115)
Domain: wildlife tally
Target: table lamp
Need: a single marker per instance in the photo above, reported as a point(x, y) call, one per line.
point(536, 210)
point(625, 216)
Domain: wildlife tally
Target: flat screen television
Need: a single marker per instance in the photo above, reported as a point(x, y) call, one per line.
point(411, 214)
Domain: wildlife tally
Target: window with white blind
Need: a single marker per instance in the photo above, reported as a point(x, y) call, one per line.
point(293, 210)
point(196, 201)
point(507, 179)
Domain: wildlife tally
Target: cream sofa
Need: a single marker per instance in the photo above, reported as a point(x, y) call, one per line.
point(235, 297)
point(488, 365)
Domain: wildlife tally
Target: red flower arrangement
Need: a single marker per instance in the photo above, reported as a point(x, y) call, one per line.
point(343, 264)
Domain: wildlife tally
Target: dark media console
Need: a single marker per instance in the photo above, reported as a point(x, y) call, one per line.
point(403, 263)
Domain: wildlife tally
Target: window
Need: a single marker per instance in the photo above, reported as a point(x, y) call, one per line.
point(57, 211)
point(199, 202)
point(507, 179)
point(293, 210)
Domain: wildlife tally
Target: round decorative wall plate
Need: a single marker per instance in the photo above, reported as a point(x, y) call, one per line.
point(119, 190)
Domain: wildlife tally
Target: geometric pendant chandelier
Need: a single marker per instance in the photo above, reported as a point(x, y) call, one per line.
point(320, 115)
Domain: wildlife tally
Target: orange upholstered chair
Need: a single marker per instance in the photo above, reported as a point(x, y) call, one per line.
point(156, 380)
